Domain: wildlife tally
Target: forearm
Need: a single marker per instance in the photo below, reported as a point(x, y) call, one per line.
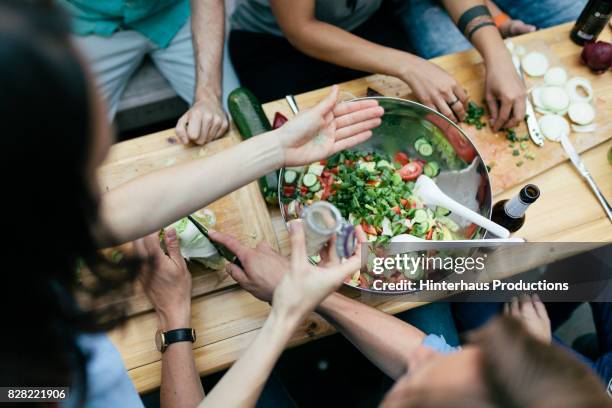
point(155, 200)
point(385, 340)
point(332, 44)
point(208, 32)
point(487, 40)
point(180, 382)
point(242, 384)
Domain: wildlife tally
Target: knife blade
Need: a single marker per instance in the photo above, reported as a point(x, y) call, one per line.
point(532, 123)
point(584, 172)
point(222, 249)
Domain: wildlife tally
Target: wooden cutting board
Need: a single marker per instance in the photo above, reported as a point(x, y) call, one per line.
point(468, 69)
point(242, 213)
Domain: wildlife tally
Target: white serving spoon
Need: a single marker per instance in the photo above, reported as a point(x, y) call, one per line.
point(431, 195)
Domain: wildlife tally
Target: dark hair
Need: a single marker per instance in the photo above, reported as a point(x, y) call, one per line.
point(50, 207)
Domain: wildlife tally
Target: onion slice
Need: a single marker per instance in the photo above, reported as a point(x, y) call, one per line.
point(553, 126)
point(554, 98)
point(572, 89)
point(555, 76)
point(536, 96)
point(584, 128)
point(535, 64)
point(581, 113)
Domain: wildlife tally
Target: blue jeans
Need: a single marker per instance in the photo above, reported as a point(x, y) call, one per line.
point(433, 33)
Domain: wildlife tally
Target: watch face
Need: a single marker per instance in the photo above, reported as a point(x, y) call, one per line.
point(160, 341)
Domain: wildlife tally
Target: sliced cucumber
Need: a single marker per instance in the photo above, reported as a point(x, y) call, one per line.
point(420, 216)
point(425, 149)
point(441, 211)
point(420, 142)
point(290, 176)
point(309, 180)
point(316, 187)
point(431, 169)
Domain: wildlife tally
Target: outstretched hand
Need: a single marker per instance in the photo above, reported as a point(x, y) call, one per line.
point(326, 128)
point(293, 285)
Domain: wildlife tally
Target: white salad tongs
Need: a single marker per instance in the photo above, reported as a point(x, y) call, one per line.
point(431, 195)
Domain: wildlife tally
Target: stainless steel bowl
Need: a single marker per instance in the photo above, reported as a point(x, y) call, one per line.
point(463, 174)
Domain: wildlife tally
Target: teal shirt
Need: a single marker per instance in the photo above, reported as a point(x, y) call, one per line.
point(158, 20)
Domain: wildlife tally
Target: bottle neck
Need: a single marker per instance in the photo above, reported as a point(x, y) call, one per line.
point(515, 207)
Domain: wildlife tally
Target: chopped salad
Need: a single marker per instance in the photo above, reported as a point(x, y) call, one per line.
point(373, 190)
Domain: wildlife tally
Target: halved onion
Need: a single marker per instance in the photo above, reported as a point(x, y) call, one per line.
point(581, 113)
point(553, 126)
point(584, 128)
point(535, 64)
point(574, 84)
point(556, 76)
point(554, 98)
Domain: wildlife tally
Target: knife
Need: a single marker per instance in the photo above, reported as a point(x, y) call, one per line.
point(530, 117)
point(222, 249)
point(575, 158)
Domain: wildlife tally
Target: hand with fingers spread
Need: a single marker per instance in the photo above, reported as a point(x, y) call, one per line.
point(203, 122)
point(532, 313)
point(166, 279)
point(326, 128)
point(435, 88)
point(294, 285)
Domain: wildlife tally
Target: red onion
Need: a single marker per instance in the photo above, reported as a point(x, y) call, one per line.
point(597, 56)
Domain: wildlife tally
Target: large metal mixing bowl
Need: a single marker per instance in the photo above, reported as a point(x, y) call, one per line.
point(463, 174)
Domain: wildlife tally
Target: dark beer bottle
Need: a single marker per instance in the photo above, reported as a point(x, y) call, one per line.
point(511, 213)
point(591, 21)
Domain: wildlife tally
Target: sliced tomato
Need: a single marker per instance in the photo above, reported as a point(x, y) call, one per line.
point(289, 191)
point(462, 145)
point(396, 210)
point(369, 157)
point(326, 192)
point(304, 190)
point(348, 163)
point(279, 120)
point(335, 170)
point(368, 229)
point(404, 202)
point(411, 171)
point(401, 158)
point(323, 162)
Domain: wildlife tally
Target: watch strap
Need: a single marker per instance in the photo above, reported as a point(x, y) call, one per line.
point(179, 335)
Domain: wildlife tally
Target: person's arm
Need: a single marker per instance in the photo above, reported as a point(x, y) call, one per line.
point(167, 283)
point(385, 340)
point(431, 84)
point(153, 201)
point(206, 120)
point(505, 92)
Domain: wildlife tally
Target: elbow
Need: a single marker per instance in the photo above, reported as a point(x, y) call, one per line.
point(298, 36)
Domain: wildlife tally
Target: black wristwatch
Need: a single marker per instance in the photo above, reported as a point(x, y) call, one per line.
point(164, 339)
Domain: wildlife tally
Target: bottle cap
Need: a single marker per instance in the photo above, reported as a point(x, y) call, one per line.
point(529, 193)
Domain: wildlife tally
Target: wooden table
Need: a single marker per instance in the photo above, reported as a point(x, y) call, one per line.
point(228, 320)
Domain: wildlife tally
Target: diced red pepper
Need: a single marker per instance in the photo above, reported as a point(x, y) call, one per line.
point(326, 192)
point(401, 158)
point(470, 230)
point(429, 234)
point(368, 229)
point(411, 171)
point(289, 191)
point(279, 120)
point(348, 163)
point(323, 162)
point(335, 170)
point(304, 190)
